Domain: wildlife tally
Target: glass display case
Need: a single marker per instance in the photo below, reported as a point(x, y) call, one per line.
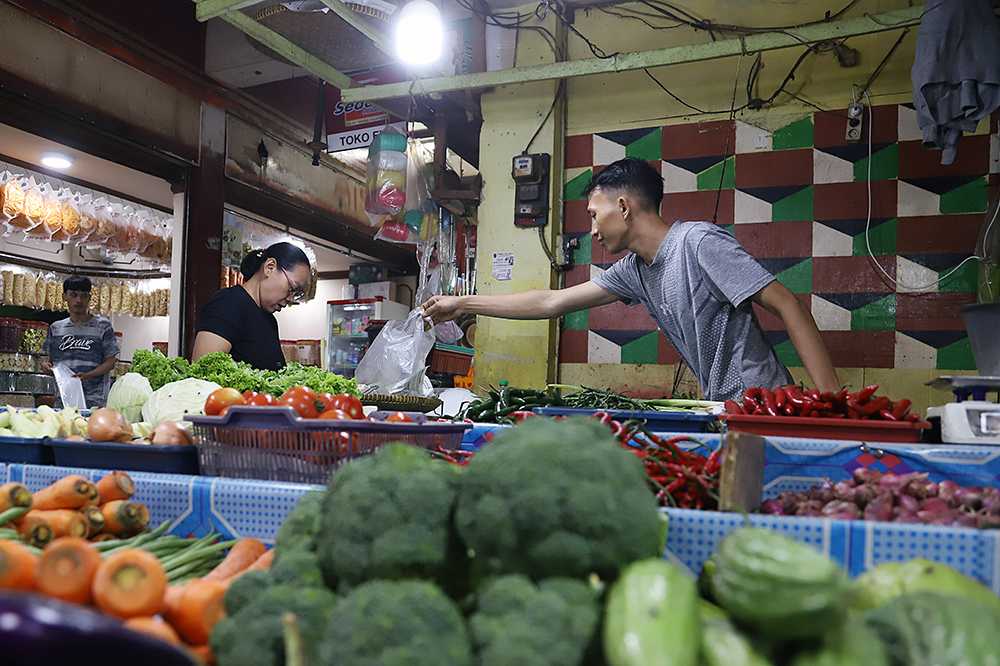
point(346, 323)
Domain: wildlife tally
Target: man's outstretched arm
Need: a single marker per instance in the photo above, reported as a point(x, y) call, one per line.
point(534, 304)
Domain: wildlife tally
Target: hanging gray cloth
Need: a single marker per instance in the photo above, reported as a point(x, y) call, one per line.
point(956, 71)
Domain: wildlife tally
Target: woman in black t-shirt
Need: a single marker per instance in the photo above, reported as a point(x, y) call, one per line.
point(240, 320)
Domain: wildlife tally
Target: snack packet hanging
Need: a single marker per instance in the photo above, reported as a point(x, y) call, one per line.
point(11, 199)
point(31, 213)
point(386, 176)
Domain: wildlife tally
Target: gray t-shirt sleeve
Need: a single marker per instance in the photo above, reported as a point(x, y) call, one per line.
point(614, 279)
point(728, 266)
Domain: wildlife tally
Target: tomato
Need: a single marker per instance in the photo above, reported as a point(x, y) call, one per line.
point(221, 398)
point(399, 417)
point(350, 404)
point(302, 405)
point(334, 413)
point(249, 394)
point(326, 399)
point(300, 391)
point(263, 400)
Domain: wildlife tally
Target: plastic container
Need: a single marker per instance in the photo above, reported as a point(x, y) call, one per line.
point(17, 362)
point(10, 334)
point(129, 457)
point(275, 444)
point(450, 359)
point(33, 336)
point(307, 352)
point(289, 350)
point(657, 421)
point(821, 428)
point(160, 347)
point(25, 450)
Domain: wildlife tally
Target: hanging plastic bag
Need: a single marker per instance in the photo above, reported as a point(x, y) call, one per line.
point(386, 176)
point(70, 387)
point(396, 362)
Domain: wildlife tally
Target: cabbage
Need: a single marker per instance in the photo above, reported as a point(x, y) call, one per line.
point(172, 401)
point(128, 394)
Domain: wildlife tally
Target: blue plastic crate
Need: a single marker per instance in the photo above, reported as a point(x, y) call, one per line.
point(32, 451)
point(656, 420)
point(128, 457)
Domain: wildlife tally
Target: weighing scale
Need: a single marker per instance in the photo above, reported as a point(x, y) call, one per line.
point(975, 421)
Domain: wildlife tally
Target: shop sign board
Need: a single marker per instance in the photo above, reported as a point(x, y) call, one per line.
point(356, 124)
point(503, 265)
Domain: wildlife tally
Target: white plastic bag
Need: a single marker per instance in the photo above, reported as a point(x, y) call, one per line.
point(70, 387)
point(396, 362)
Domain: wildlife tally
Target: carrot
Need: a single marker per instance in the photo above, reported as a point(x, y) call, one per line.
point(95, 520)
point(94, 499)
point(194, 608)
point(203, 653)
point(66, 569)
point(240, 556)
point(129, 583)
point(262, 563)
point(124, 517)
point(69, 492)
point(155, 627)
point(18, 566)
point(34, 529)
point(116, 486)
point(14, 494)
point(64, 522)
point(103, 537)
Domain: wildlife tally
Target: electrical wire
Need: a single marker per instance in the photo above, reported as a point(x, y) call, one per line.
point(729, 131)
point(555, 100)
point(868, 222)
point(878, 70)
point(664, 88)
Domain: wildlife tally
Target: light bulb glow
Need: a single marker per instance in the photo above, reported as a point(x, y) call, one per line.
point(419, 34)
point(57, 160)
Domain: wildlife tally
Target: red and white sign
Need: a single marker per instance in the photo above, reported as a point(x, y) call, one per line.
point(356, 124)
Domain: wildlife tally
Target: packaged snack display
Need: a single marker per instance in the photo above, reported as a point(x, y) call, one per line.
point(7, 276)
point(30, 215)
point(10, 334)
point(51, 220)
point(33, 336)
point(11, 197)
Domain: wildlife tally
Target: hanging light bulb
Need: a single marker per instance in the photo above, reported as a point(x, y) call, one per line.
point(419, 34)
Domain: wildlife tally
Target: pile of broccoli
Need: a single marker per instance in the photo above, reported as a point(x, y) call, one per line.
point(407, 560)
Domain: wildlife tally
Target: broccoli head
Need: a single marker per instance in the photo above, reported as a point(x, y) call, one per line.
point(557, 498)
point(299, 568)
point(245, 589)
point(298, 530)
point(518, 623)
point(395, 623)
point(388, 515)
point(254, 635)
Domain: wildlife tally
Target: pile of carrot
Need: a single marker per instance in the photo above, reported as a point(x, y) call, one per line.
point(72, 506)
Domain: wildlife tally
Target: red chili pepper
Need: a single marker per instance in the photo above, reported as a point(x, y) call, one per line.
point(812, 394)
point(887, 415)
point(790, 409)
point(779, 398)
point(901, 408)
point(795, 397)
point(912, 417)
point(767, 400)
point(865, 394)
point(733, 407)
point(751, 401)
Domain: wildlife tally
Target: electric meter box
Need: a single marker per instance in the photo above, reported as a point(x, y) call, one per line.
point(531, 189)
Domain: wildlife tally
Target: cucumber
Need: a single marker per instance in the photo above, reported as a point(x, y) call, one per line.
point(652, 617)
point(723, 645)
point(779, 587)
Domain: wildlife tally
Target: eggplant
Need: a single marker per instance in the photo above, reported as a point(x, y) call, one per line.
point(41, 631)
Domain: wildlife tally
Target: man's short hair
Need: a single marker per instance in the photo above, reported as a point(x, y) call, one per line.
point(76, 283)
point(634, 176)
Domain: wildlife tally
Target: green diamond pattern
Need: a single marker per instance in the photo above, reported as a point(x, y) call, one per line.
point(965, 278)
point(787, 355)
point(710, 177)
point(649, 147)
point(797, 207)
point(581, 255)
point(643, 350)
point(885, 165)
point(877, 316)
point(577, 321)
point(956, 356)
point(796, 135)
point(969, 198)
point(882, 237)
point(573, 190)
point(798, 278)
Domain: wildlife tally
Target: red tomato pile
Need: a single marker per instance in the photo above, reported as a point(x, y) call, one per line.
point(306, 403)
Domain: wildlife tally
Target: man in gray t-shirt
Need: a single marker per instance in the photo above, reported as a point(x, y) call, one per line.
point(83, 342)
point(695, 280)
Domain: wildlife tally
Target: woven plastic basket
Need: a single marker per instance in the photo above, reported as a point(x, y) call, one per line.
point(275, 444)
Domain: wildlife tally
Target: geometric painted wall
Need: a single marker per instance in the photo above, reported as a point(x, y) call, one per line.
point(811, 208)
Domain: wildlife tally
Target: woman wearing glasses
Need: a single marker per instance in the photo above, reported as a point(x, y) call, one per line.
point(240, 320)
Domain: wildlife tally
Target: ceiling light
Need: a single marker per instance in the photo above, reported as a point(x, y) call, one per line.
point(57, 160)
point(419, 34)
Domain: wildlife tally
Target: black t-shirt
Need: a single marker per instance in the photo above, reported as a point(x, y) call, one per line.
point(232, 314)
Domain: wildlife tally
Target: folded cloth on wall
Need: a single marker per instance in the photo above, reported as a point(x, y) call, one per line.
point(956, 71)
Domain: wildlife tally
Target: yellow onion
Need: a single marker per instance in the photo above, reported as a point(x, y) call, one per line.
point(108, 425)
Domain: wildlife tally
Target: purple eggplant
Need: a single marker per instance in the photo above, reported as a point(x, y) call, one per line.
point(40, 631)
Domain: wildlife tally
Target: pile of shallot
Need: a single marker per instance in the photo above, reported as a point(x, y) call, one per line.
point(910, 498)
